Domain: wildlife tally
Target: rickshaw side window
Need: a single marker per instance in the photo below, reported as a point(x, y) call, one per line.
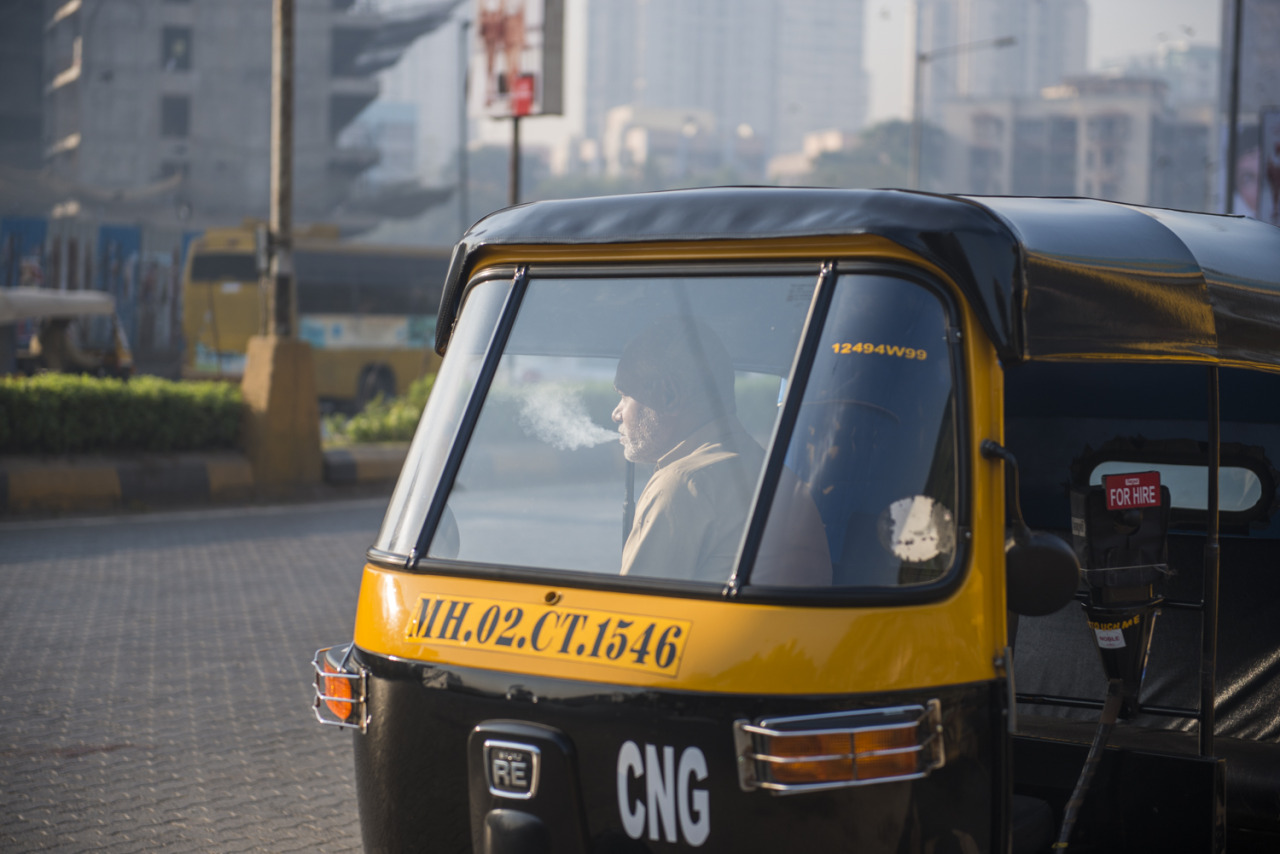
point(875, 439)
point(1239, 488)
point(430, 447)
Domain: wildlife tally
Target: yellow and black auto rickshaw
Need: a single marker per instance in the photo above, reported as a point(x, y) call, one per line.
point(734, 513)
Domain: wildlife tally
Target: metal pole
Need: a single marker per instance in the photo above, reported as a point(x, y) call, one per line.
point(1233, 104)
point(917, 120)
point(464, 53)
point(917, 94)
point(1209, 626)
point(513, 193)
point(281, 303)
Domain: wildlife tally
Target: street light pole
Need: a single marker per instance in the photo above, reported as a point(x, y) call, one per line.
point(513, 191)
point(280, 252)
point(917, 121)
point(465, 71)
point(1233, 106)
point(280, 431)
point(923, 58)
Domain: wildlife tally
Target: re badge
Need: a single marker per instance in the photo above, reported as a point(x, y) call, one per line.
point(511, 769)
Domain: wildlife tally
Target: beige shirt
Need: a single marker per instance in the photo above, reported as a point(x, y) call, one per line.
point(691, 515)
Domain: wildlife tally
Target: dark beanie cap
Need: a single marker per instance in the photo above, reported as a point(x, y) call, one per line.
point(687, 351)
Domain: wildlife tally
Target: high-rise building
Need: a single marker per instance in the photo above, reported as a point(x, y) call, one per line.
point(21, 67)
point(1050, 44)
point(1103, 137)
point(168, 103)
point(769, 70)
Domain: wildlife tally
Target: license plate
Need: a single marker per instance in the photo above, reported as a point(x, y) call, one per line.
point(651, 644)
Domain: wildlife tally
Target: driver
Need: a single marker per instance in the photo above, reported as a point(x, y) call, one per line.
point(677, 413)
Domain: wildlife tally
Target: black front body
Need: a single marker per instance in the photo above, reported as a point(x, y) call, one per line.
point(422, 781)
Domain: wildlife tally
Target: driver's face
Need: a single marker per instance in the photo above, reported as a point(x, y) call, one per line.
point(639, 430)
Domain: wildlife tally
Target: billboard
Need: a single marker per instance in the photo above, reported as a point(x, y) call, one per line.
point(521, 55)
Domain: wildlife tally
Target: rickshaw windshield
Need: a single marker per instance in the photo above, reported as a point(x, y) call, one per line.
point(629, 420)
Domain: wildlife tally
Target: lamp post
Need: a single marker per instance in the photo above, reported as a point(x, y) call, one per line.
point(923, 58)
point(1233, 106)
point(282, 302)
point(464, 72)
point(687, 132)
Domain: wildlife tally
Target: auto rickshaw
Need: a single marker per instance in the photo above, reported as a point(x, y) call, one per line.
point(1014, 431)
point(77, 332)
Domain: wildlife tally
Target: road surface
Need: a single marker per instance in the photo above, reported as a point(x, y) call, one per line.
point(155, 679)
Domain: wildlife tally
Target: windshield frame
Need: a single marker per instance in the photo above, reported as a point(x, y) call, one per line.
point(827, 273)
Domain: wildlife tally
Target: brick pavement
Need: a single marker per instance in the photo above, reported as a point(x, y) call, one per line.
point(154, 680)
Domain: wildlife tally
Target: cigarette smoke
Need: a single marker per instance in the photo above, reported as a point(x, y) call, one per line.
point(556, 415)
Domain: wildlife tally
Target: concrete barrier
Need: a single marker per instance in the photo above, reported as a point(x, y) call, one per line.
point(364, 463)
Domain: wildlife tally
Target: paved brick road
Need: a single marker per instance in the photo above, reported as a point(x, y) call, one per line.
point(154, 680)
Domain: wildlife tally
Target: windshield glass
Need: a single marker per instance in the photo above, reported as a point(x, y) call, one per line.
point(627, 425)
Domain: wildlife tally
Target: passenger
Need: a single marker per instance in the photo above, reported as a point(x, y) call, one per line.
point(677, 413)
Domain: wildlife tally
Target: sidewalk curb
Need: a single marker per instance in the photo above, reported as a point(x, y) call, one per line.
point(364, 463)
point(78, 483)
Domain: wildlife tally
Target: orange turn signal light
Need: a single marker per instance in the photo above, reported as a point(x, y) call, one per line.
point(341, 688)
point(811, 758)
point(334, 688)
point(840, 749)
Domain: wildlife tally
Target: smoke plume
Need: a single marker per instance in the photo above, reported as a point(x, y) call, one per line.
point(556, 415)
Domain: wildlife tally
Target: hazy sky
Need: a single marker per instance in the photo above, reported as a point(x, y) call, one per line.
point(1117, 28)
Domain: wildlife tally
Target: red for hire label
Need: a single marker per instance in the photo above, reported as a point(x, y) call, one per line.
point(1125, 491)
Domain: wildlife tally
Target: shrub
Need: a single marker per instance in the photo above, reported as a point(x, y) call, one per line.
point(383, 420)
point(68, 413)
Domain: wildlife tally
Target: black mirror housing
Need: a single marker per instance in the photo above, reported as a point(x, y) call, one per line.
point(1041, 573)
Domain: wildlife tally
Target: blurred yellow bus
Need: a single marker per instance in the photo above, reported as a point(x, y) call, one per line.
point(368, 311)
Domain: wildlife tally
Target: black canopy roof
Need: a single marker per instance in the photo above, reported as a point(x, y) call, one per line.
point(1048, 278)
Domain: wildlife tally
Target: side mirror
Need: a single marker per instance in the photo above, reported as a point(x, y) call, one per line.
point(1041, 571)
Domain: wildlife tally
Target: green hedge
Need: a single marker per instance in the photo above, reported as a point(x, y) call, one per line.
point(383, 420)
point(66, 413)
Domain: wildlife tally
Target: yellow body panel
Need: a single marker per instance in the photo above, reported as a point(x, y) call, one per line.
point(221, 317)
point(733, 646)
